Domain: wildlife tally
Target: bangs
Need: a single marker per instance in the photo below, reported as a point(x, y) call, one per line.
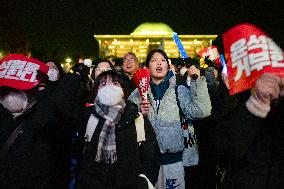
point(115, 77)
point(109, 74)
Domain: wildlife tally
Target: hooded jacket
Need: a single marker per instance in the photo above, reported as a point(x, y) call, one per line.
point(164, 116)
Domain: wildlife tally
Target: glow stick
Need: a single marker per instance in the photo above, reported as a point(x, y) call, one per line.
point(225, 69)
point(180, 46)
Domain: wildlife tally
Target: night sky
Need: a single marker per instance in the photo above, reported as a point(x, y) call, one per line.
point(66, 27)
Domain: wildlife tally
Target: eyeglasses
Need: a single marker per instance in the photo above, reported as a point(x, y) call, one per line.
point(129, 60)
point(102, 69)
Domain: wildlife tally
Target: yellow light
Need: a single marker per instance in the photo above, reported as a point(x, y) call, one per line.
point(68, 60)
point(114, 42)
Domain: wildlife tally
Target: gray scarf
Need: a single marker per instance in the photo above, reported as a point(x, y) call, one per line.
point(106, 151)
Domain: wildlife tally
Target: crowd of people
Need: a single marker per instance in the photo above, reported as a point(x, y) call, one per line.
point(124, 142)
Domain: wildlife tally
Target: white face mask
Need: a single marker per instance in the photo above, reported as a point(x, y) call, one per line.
point(110, 95)
point(52, 74)
point(15, 102)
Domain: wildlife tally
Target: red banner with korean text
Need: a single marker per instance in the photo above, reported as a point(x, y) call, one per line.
point(212, 53)
point(142, 81)
point(250, 52)
point(20, 72)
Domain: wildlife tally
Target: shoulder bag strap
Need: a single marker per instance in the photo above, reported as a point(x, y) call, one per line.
point(12, 138)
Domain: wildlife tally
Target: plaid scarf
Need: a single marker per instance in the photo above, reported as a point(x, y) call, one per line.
point(106, 151)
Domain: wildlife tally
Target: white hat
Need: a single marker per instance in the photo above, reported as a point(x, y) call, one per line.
point(88, 62)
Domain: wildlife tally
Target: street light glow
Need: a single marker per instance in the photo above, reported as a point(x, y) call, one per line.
point(68, 60)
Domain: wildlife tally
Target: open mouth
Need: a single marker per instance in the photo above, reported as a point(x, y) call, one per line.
point(128, 66)
point(159, 70)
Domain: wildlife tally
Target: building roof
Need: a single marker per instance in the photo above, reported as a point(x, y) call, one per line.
point(149, 28)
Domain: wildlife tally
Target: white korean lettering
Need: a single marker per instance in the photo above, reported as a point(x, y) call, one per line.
point(276, 55)
point(16, 66)
point(213, 53)
point(238, 50)
point(143, 85)
point(32, 69)
point(242, 65)
point(19, 70)
point(259, 60)
point(4, 68)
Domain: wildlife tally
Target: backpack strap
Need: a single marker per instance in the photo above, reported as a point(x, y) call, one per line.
point(181, 114)
point(185, 123)
point(12, 138)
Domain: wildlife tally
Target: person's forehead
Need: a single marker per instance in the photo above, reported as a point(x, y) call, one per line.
point(50, 64)
point(157, 55)
point(130, 56)
point(103, 64)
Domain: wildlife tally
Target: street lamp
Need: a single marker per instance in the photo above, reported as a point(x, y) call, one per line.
point(67, 66)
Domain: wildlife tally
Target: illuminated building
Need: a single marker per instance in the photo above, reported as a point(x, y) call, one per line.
point(149, 36)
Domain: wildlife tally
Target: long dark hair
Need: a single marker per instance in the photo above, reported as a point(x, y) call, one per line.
point(151, 53)
point(115, 76)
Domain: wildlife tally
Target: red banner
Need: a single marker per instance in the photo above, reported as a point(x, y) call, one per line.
point(212, 53)
point(19, 71)
point(249, 53)
point(142, 81)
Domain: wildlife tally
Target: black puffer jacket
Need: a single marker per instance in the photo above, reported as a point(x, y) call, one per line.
point(253, 149)
point(132, 159)
point(29, 163)
point(223, 105)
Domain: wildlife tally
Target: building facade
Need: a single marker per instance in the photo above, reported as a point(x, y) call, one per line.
point(149, 36)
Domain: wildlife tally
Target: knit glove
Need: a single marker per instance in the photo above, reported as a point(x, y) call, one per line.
point(267, 88)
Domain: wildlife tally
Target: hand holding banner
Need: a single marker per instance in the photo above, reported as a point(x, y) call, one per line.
point(250, 52)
